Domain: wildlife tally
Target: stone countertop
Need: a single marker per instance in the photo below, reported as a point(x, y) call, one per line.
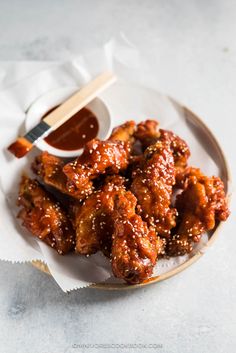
point(192, 49)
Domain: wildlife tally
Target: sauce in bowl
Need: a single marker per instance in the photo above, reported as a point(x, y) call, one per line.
point(73, 134)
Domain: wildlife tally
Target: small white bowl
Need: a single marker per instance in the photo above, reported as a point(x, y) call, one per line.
point(55, 97)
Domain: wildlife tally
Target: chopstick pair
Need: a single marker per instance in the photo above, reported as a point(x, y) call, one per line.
point(60, 115)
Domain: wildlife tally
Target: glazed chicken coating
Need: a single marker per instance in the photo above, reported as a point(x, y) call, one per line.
point(135, 248)
point(99, 157)
point(96, 224)
point(200, 205)
point(124, 132)
point(183, 177)
point(50, 169)
point(86, 223)
point(44, 217)
point(179, 148)
point(148, 133)
point(152, 184)
point(93, 223)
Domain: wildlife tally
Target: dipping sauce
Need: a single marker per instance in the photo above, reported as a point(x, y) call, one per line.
point(73, 134)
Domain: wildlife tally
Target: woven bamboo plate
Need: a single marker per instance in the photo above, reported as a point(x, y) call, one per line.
point(200, 128)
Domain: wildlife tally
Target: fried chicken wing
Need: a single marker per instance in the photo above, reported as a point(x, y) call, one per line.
point(93, 223)
point(200, 205)
point(44, 217)
point(99, 157)
point(124, 132)
point(183, 177)
point(50, 169)
point(99, 224)
point(147, 133)
point(135, 248)
point(179, 148)
point(152, 185)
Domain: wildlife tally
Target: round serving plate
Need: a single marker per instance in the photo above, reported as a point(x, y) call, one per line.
point(208, 141)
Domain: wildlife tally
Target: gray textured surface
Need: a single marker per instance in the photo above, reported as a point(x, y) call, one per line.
point(191, 46)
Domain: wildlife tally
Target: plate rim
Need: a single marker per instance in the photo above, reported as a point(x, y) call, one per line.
point(123, 286)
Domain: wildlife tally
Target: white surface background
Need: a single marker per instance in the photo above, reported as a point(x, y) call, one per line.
point(191, 47)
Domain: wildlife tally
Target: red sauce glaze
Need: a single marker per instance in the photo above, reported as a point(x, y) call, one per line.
point(78, 130)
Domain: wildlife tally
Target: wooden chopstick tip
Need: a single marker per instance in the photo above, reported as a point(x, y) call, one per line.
point(20, 147)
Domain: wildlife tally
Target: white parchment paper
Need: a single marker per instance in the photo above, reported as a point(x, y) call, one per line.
point(130, 98)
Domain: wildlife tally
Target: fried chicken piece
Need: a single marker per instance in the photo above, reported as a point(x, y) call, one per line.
point(86, 222)
point(99, 157)
point(147, 133)
point(93, 223)
point(182, 178)
point(93, 226)
point(44, 217)
point(152, 185)
point(134, 247)
point(179, 148)
point(50, 169)
point(200, 205)
point(124, 132)
point(97, 225)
